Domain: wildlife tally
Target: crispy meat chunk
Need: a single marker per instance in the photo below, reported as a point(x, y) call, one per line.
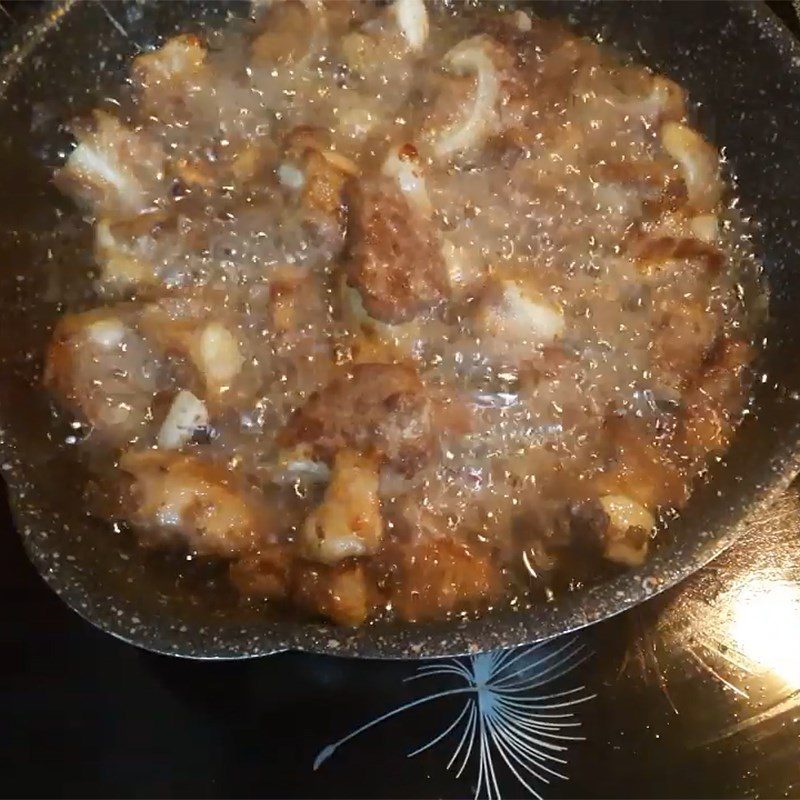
point(348, 521)
point(267, 573)
point(344, 593)
point(685, 333)
point(669, 253)
point(714, 401)
point(394, 257)
point(428, 578)
point(164, 77)
point(698, 162)
point(288, 33)
point(377, 409)
point(196, 502)
point(640, 468)
point(114, 170)
point(587, 524)
point(319, 172)
point(100, 367)
point(324, 185)
point(628, 534)
point(128, 250)
point(514, 313)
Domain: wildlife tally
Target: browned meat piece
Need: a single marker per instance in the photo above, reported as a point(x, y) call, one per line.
point(196, 502)
point(214, 339)
point(377, 409)
point(288, 33)
point(317, 171)
point(127, 249)
point(267, 573)
point(661, 190)
point(661, 253)
point(451, 411)
point(685, 333)
point(614, 526)
point(515, 317)
point(394, 256)
point(102, 369)
point(348, 521)
point(713, 403)
point(324, 185)
point(627, 537)
point(698, 163)
point(165, 76)
point(586, 524)
point(114, 170)
point(344, 593)
point(219, 168)
point(433, 577)
point(641, 468)
point(411, 522)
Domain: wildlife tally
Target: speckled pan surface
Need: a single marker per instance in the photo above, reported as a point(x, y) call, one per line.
point(737, 61)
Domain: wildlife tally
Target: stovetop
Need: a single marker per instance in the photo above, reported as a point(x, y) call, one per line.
point(696, 693)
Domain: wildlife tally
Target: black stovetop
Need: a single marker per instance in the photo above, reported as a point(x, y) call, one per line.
point(694, 694)
point(697, 693)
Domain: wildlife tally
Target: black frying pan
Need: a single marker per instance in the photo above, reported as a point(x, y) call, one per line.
point(739, 64)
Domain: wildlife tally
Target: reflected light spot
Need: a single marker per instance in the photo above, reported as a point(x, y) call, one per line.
point(764, 626)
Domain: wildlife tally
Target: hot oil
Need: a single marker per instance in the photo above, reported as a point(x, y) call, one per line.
point(586, 349)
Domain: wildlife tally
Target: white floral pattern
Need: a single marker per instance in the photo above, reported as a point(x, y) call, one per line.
point(504, 718)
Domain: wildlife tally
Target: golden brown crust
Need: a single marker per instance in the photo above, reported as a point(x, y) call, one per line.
point(394, 256)
point(429, 578)
point(376, 409)
point(653, 252)
point(639, 467)
point(345, 593)
point(267, 573)
point(198, 502)
point(685, 332)
point(714, 400)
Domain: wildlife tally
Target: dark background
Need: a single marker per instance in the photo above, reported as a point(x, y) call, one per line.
point(680, 711)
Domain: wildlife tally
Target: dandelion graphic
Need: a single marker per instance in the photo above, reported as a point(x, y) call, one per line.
point(503, 717)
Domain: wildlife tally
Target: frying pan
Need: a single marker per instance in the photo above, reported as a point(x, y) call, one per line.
point(739, 64)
